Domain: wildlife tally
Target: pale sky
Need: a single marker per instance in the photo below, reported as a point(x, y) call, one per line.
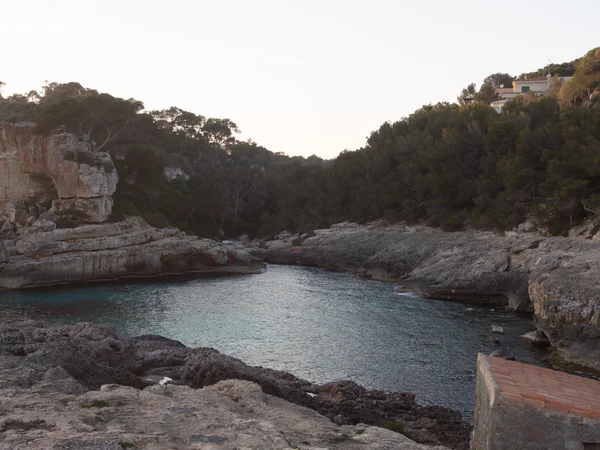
point(303, 77)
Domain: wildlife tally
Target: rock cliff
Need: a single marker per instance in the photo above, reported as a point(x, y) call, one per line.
point(84, 386)
point(57, 169)
point(55, 199)
point(555, 277)
point(40, 256)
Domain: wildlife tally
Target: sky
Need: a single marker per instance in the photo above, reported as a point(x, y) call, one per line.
point(301, 77)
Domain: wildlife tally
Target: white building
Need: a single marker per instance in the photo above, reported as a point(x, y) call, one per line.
point(535, 86)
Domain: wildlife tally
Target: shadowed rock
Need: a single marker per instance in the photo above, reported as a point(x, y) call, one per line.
point(86, 356)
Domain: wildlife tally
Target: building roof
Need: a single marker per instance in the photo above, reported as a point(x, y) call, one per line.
point(545, 388)
point(535, 80)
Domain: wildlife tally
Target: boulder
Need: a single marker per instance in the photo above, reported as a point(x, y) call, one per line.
point(504, 352)
point(18, 212)
point(527, 227)
point(86, 210)
point(42, 225)
point(7, 226)
point(536, 337)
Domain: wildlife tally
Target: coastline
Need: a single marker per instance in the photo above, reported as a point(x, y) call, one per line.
point(551, 277)
point(77, 360)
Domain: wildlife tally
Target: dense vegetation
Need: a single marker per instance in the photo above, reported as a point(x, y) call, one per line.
point(447, 164)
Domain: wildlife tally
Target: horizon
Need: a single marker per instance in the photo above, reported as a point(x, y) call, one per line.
point(302, 80)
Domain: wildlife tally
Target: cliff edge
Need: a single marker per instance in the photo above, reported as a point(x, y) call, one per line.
point(55, 205)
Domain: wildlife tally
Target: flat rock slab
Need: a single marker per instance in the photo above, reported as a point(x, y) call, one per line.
point(231, 414)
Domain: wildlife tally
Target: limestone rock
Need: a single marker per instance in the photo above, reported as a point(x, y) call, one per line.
point(536, 337)
point(17, 212)
point(174, 173)
point(41, 226)
point(45, 255)
point(497, 329)
point(232, 414)
point(7, 226)
point(90, 210)
point(37, 169)
point(84, 386)
point(527, 227)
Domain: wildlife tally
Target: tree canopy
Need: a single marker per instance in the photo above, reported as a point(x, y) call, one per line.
point(448, 165)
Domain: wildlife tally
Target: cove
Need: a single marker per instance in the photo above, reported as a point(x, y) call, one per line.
point(319, 325)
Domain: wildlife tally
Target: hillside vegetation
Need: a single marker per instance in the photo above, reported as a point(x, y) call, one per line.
point(451, 165)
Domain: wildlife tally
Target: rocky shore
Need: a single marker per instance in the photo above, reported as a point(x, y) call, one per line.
point(111, 251)
point(57, 225)
point(84, 386)
point(554, 277)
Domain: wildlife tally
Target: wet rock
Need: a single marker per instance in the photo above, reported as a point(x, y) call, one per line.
point(504, 352)
point(536, 337)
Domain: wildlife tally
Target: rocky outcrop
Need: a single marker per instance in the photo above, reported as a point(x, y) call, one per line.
point(57, 169)
point(556, 277)
point(50, 376)
point(42, 255)
point(37, 245)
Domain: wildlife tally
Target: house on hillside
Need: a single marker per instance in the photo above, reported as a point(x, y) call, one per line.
point(535, 86)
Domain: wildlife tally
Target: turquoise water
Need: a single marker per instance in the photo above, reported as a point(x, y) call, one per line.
point(318, 325)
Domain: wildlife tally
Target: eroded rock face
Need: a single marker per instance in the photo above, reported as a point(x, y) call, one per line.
point(556, 277)
point(473, 267)
point(43, 255)
point(39, 169)
point(50, 376)
point(36, 248)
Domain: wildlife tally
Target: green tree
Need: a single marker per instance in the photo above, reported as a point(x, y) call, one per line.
point(220, 131)
point(487, 93)
point(499, 79)
point(99, 118)
point(467, 95)
point(587, 72)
